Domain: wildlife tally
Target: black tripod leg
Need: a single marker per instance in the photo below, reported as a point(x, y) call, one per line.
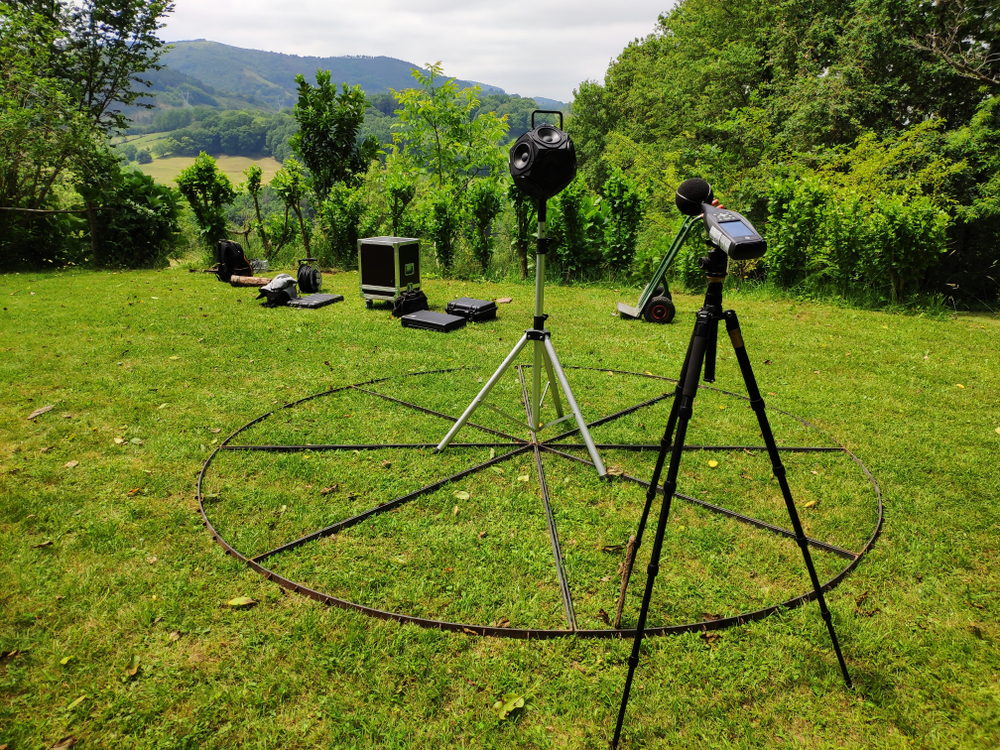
point(713, 340)
point(689, 388)
point(665, 443)
point(632, 550)
point(757, 404)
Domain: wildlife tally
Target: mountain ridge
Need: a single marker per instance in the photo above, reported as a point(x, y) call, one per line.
point(268, 78)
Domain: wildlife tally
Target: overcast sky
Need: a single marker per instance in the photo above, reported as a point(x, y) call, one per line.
point(526, 47)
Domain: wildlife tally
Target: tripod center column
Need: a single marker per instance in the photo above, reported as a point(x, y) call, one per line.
point(539, 323)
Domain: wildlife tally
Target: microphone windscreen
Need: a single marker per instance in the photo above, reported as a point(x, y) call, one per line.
point(691, 194)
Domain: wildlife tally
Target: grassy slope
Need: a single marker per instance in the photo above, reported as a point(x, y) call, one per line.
point(163, 357)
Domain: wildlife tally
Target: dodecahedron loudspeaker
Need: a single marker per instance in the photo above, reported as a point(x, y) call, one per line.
point(543, 161)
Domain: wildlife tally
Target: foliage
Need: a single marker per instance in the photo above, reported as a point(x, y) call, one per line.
point(339, 217)
point(484, 198)
point(445, 223)
point(326, 141)
point(63, 67)
point(144, 228)
point(823, 236)
point(401, 189)
point(290, 185)
point(41, 130)
point(525, 212)
point(624, 200)
point(440, 134)
point(254, 188)
point(580, 224)
point(208, 191)
point(866, 94)
point(104, 48)
point(232, 132)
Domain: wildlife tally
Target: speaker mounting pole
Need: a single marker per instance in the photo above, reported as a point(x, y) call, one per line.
point(542, 163)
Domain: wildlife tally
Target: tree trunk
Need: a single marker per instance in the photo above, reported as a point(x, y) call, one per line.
point(302, 229)
point(95, 245)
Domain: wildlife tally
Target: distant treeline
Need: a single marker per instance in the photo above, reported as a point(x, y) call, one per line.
point(254, 133)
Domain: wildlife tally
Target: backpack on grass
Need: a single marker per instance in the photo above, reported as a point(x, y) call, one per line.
point(231, 261)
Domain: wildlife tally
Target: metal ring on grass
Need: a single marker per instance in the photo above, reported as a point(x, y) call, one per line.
point(555, 446)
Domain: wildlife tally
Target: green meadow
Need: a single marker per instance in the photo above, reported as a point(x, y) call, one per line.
point(118, 626)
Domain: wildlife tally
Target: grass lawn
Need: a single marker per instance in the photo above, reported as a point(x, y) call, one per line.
point(114, 628)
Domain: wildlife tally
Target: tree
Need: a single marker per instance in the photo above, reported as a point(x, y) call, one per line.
point(340, 215)
point(439, 132)
point(484, 198)
point(63, 67)
point(290, 185)
point(208, 191)
point(445, 223)
point(524, 215)
point(254, 186)
point(103, 50)
point(401, 188)
point(327, 140)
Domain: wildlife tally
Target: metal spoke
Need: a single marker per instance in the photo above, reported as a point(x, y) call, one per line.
point(825, 546)
point(550, 519)
point(359, 446)
point(516, 446)
point(389, 505)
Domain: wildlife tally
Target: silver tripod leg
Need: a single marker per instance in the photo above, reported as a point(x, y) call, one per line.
point(591, 448)
point(552, 386)
point(483, 394)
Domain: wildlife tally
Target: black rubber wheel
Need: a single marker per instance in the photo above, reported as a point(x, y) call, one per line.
point(659, 310)
point(370, 304)
point(658, 292)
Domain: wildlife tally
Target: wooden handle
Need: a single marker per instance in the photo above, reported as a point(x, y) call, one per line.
point(257, 281)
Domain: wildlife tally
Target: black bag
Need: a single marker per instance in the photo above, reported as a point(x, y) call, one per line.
point(409, 302)
point(279, 291)
point(475, 310)
point(231, 261)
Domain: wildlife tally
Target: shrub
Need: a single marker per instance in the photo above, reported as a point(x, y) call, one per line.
point(822, 237)
point(339, 217)
point(625, 209)
point(144, 228)
point(579, 223)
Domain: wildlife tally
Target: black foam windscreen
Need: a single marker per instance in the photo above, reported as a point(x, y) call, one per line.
point(691, 194)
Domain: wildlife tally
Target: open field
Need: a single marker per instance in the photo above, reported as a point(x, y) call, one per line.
point(166, 170)
point(114, 627)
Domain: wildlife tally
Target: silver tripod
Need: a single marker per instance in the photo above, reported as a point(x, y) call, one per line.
point(544, 356)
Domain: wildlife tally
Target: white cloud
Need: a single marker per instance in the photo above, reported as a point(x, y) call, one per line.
point(532, 48)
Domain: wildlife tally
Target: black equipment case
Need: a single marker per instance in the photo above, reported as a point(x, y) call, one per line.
point(316, 300)
point(433, 321)
point(475, 310)
point(389, 266)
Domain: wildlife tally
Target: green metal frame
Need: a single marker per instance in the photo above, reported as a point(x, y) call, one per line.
point(661, 270)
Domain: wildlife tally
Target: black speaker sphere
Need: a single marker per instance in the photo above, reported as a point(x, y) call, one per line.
point(543, 162)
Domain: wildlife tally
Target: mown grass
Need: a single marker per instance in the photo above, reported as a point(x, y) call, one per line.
point(161, 359)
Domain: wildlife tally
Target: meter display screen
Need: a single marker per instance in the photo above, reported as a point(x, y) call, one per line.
point(737, 229)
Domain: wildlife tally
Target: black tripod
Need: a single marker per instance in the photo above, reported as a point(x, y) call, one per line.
point(701, 350)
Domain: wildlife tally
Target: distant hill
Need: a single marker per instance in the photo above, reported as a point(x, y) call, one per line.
point(268, 78)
